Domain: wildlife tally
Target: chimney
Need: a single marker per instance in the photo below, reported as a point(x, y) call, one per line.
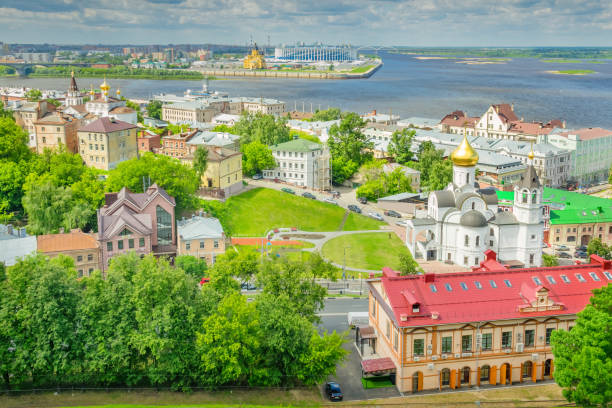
point(563, 125)
point(497, 108)
point(374, 112)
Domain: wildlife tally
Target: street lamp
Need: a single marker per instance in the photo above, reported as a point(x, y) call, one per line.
point(344, 264)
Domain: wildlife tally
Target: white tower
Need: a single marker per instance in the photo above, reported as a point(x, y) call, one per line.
point(464, 159)
point(73, 96)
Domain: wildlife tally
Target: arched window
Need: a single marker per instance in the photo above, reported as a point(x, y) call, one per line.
point(524, 197)
point(534, 197)
point(485, 371)
point(445, 377)
point(477, 241)
point(466, 241)
point(473, 206)
point(527, 367)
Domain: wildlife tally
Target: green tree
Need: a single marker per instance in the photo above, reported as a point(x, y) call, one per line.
point(12, 178)
point(33, 95)
point(378, 184)
point(256, 157)
point(191, 265)
point(583, 356)
point(53, 102)
point(324, 354)
point(599, 248)
point(436, 172)
point(136, 107)
point(550, 260)
point(5, 113)
point(266, 129)
point(154, 109)
point(179, 180)
point(224, 128)
point(326, 115)
point(46, 205)
point(408, 266)
point(401, 144)
point(200, 160)
point(348, 146)
point(13, 141)
point(441, 174)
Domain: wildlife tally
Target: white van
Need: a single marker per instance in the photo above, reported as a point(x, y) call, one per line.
point(358, 319)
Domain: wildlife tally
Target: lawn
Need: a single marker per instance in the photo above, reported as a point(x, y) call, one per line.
point(253, 213)
point(574, 72)
point(357, 222)
point(371, 250)
point(376, 382)
point(361, 69)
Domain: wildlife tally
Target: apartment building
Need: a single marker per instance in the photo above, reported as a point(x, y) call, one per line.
point(26, 113)
point(490, 326)
point(83, 248)
point(223, 176)
point(192, 111)
point(55, 129)
point(148, 141)
point(106, 142)
point(202, 237)
point(266, 106)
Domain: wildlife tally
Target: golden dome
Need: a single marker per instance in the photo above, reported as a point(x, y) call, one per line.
point(531, 154)
point(92, 92)
point(104, 85)
point(464, 155)
point(118, 92)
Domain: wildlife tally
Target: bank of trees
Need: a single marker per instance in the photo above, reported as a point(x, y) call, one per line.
point(149, 324)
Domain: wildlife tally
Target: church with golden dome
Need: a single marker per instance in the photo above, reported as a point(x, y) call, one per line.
point(107, 105)
point(463, 221)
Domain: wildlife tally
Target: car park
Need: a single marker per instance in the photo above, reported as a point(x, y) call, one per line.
point(333, 391)
point(564, 255)
point(287, 190)
point(331, 201)
point(257, 176)
point(354, 208)
point(309, 195)
point(376, 216)
point(362, 200)
point(391, 213)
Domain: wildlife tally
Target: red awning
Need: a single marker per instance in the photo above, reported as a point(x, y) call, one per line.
point(377, 365)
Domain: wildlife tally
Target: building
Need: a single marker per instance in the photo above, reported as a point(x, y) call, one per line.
point(591, 152)
point(486, 327)
point(225, 119)
point(254, 60)
point(139, 222)
point(190, 112)
point(316, 53)
point(175, 145)
point(83, 248)
point(223, 176)
point(265, 106)
point(55, 129)
point(405, 203)
point(148, 141)
point(415, 175)
point(463, 221)
point(214, 139)
point(202, 237)
point(26, 113)
point(573, 218)
point(106, 142)
point(108, 106)
point(73, 96)
point(15, 244)
point(302, 163)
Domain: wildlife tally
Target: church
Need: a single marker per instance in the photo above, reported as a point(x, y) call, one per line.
point(463, 221)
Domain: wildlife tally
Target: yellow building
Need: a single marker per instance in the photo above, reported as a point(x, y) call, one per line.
point(202, 237)
point(106, 142)
point(82, 247)
point(223, 174)
point(255, 60)
point(55, 129)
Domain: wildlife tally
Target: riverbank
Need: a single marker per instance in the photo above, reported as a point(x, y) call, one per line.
point(116, 72)
point(572, 72)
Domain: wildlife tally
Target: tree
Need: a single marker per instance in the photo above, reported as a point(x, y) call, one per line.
point(5, 113)
point(136, 107)
point(179, 180)
point(13, 141)
point(408, 266)
point(200, 160)
point(599, 248)
point(266, 129)
point(191, 265)
point(436, 172)
point(256, 157)
point(224, 129)
point(550, 260)
point(326, 115)
point(401, 144)
point(583, 356)
point(154, 109)
point(441, 174)
point(378, 183)
point(348, 146)
point(46, 205)
point(53, 102)
point(33, 95)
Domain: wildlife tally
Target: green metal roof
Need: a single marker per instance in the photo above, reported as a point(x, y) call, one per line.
point(568, 207)
point(297, 145)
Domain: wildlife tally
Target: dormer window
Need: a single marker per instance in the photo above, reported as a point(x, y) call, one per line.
point(416, 308)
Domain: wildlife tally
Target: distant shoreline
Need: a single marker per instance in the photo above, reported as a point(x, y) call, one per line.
point(574, 72)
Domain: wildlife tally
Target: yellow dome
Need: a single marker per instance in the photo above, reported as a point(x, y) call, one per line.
point(104, 85)
point(464, 155)
point(531, 154)
point(118, 92)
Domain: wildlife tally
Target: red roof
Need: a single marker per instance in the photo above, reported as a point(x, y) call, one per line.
point(589, 133)
point(377, 364)
point(506, 112)
point(459, 118)
point(491, 292)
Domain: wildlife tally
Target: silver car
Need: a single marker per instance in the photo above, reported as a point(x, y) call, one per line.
point(376, 216)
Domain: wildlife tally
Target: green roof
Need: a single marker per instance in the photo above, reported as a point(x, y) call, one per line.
point(297, 145)
point(568, 207)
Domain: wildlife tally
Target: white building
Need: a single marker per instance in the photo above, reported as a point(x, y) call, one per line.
point(463, 221)
point(301, 163)
point(73, 96)
point(591, 152)
point(225, 119)
point(107, 106)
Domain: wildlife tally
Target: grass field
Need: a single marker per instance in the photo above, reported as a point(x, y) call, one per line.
point(372, 250)
point(356, 222)
point(376, 382)
point(574, 72)
point(361, 69)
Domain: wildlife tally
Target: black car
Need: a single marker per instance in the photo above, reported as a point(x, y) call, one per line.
point(308, 195)
point(391, 213)
point(354, 208)
point(582, 248)
point(580, 254)
point(362, 200)
point(333, 392)
point(564, 255)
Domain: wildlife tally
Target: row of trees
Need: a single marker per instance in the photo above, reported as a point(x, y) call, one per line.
point(377, 183)
point(148, 323)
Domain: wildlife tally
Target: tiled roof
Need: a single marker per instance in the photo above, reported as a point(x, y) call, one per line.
point(122, 109)
point(588, 133)
point(217, 154)
point(106, 125)
point(74, 240)
point(491, 292)
point(459, 118)
point(505, 112)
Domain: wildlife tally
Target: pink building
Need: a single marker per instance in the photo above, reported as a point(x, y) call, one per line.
point(140, 222)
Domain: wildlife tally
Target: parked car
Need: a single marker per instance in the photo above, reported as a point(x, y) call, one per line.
point(376, 216)
point(331, 201)
point(402, 223)
point(562, 248)
point(564, 255)
point(362, 200)
point(333, 391)
point(336, 194)
point(287, 190)
point(309, 195)
point(580, 254)
point(247, 286)
point(582, 248)
point(257, 176)
point(354, 208)
point(391, 213)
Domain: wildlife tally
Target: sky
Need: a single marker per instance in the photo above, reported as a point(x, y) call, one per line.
point(357, 22)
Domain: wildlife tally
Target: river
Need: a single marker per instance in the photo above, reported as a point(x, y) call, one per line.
point(412, 87)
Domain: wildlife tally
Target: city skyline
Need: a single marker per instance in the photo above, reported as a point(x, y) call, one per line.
point(408, 23)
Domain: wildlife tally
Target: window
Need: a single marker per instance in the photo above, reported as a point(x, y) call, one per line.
point(433, 288)
point(551, 280)
point(90, 257)
point(506, 339)
point(418, 347)
point(485, 373)
point(373, 307)
point(447, 344)
point(141, 242)
point(478, 285)
point(527, 369)
point(466, 240)
point(395, 340)
point(164, 226)
point(465, 260)
point(463, 286)
point(109, 246)
point(79, 258)
point(188, 246)
point(608, 275)
point(477, 242)
point(120, 244)
point(131, 243)
point(531, 258)
point(537, 280)
point(80, 275)
point(594, 276)
point(548, 333)
point(448, 287)
point(202, 244)
point(487, 341)
point(476, 260)
point(466, 343)
point(580, 278)
point(416, 307)
point(216, 244)
point(565, 279)
point(529, 337)
point(507, 283)
point(388, 329)
point(493, 284)
point(445, 376)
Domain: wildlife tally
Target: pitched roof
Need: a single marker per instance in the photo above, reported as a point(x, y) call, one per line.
point(217, 154)
point(74, 240)
point(505, 112)
point(530, 179)
point(12, 249)
point(460, 119)
point(121, 109)
point(588, 133)
point(111, 225)
point(200, 228)
point(106, 125)
point(483, 294)
point(297, 145)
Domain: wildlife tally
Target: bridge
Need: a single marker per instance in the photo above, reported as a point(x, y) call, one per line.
point(24, 68)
